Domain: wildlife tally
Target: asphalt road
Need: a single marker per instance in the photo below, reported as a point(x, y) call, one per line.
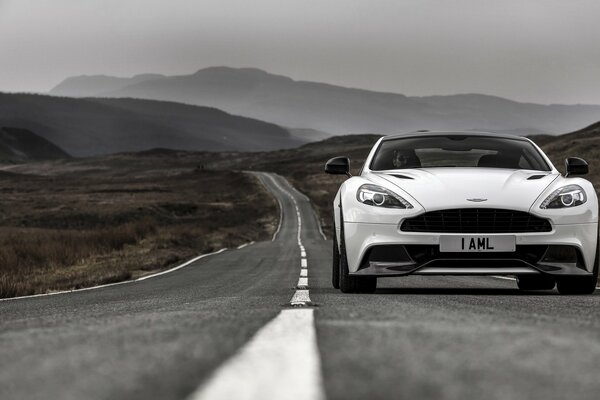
point(172, 336)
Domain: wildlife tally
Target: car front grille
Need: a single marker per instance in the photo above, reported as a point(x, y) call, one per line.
point(476, 220)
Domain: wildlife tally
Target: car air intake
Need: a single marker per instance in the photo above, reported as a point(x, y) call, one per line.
point(476, 220)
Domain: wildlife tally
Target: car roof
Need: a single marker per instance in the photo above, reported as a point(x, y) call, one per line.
point(425, 133)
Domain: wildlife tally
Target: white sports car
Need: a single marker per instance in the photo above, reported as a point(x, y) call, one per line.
point(464, 203)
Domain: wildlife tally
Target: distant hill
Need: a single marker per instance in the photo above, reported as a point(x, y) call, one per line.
point(335, 109)
point(22, 145)
point(304, 166)
point(82, 86)
point(85, 126)
point(309, 135)
point(584, 143)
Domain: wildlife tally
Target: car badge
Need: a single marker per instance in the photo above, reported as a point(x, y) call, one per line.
point(477, 200)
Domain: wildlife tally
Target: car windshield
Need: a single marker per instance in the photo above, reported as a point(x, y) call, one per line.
point(457, 151)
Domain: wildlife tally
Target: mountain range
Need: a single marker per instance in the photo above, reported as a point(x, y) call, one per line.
point(95, 126)
point(334, 109)
point(22, 145)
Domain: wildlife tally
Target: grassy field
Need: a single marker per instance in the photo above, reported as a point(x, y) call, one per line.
point(304, 166)
point(72, 224)
point(81, 222)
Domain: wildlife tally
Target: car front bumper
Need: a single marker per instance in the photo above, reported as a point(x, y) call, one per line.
point(418, 253)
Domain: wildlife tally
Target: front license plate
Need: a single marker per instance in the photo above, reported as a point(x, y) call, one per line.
point(477, 243)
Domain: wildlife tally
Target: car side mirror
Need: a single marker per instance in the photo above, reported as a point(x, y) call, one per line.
point(576, 166)
point(338, 166)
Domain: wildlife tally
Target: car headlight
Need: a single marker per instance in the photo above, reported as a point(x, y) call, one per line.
point(374, 195)
point(568, 196)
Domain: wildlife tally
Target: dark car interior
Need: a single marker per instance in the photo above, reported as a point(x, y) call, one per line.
point(462, 151)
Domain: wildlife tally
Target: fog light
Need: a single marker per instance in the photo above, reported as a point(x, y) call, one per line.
point(391, 256)
point(560, 254)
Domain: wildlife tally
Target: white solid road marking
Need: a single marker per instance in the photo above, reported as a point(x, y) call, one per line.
point(259, 175)
point(278, 204)
point(280, 220)
point(319, 225)
point(508, 278)
point(302, 253)
point(143, 278)
point(241, 246)
point(280, 362)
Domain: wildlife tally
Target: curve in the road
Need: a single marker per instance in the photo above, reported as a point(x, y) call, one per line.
point(282, 360)
point(448, 337)
point(160, 336)
point(261, 176)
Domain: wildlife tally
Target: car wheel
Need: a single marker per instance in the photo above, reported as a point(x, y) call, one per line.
point(535, 282)
point(347, 283)
point(580, 284)
point(366, 284)
point(577, 284)
point(353, 284)
point(335, 267)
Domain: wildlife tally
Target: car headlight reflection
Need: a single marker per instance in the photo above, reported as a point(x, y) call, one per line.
point(378, 196)
point(567, 196)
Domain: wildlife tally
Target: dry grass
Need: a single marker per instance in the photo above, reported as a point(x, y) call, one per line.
point(304, 166)
point(71, 224)
point(92, 222)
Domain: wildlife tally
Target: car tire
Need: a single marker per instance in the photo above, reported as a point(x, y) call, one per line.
point(335, 267)
point(535, 282)
point(366, 284)
point(348, 283)
point(580, 284)
point(577, 284)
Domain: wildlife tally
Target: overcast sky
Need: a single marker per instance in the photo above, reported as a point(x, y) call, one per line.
point(545, 51)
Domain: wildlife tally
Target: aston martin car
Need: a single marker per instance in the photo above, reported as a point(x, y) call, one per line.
point(464, 203)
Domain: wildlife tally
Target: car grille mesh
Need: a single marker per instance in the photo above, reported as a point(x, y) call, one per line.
point(476, 220)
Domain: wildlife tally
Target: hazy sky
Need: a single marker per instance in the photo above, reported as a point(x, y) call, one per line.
point(531, 50)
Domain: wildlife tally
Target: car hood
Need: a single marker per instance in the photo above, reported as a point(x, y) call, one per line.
point(441, 188)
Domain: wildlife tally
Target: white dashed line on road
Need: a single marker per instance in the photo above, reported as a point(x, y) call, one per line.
point(302, 283)
point(300, 298)
point(281, 361)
